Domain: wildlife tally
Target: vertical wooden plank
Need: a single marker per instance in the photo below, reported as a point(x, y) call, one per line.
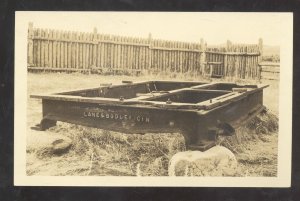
point(183, 58)
point(83, 50)
point(152, 54)
point(168, 57)
point(143, 54)
point(102, 64)
point(177, 57)
point(39, 48)
point(259, 59)
point(140, 56)
point(134, 54)
point(101, 51)
point(128, 54)
point(186, 58)
point(121, 53)
point(157, 53)
point(35, 47)
point(43, 48)
point(131, 55)
point(46, 44)
point(57, 47)
point(112, 46)
point(114, 52)
point(88, 50)
point(54, 44)
point(226, 58)
point(94, 52)
point(157, 56)
point(171, 66)
point(51, 48)
point(68, 48)
point(175, 63)
point(76, 46)
point(192, 58)
point(66, 43)
point(164, 56)
point(98, 49)
point(107, 52)
point(125, 52)
point(171, 53)
point(160, 55)
point(180, 57)
point(138, 48)
point(117, 52)
point(90, 54)
point(195, 59)
point(73, 50)
point(61, 50)
point(30, 45)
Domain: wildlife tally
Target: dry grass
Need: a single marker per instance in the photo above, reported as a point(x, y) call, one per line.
point(99, 152)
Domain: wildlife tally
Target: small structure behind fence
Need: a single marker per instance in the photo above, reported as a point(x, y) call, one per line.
point(270, 70)
point(55, 50)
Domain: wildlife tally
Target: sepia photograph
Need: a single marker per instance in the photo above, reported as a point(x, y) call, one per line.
point(153, 98)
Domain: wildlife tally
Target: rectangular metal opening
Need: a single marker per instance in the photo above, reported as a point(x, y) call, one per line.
point(128, 91)
point(224, 86)
point(189, 96)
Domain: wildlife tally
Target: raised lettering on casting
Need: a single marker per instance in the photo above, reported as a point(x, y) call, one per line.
point(116, 116)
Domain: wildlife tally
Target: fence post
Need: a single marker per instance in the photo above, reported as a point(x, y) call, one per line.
point(94, 49)
point(226, 58)
point(202, 55)
point(260, 46)
point(30, 45)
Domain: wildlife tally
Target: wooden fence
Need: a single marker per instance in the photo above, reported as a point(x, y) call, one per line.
point(270, 70)
point(56, 50)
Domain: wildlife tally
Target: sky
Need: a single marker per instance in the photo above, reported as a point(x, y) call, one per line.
point(214, 28)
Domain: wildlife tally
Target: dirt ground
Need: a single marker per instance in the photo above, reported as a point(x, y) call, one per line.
point(99, 152)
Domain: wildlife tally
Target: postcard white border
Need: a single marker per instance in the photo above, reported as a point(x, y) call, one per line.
point(284, 141)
